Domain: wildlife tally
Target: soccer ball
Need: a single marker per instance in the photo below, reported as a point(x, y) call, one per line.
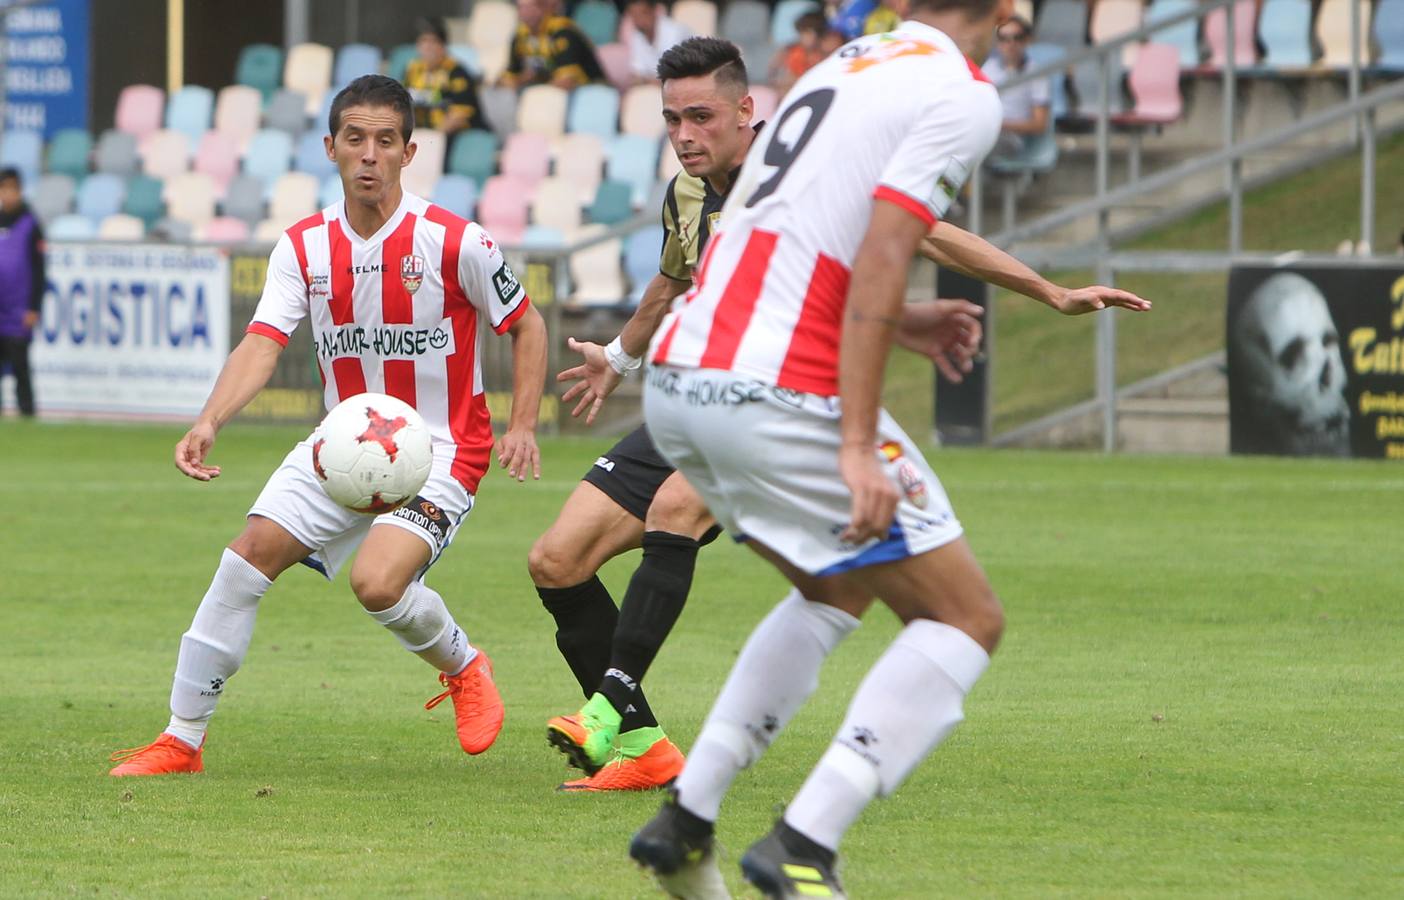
point(372, 453)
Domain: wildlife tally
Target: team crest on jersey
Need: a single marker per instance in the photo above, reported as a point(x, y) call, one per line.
point(411, 271)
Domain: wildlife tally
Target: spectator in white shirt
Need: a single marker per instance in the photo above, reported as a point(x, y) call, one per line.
point(1025, 106)
point(651, 32)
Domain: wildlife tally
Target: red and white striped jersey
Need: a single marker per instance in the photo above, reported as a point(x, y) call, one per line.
point(902, 117)
point(399, 313)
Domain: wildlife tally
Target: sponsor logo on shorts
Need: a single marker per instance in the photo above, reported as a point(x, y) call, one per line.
point(604, 462)
point(913, 485)
point(427, 517)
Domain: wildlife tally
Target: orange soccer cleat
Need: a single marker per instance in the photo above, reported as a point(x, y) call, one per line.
point(476, 704)
point(654, 768)
point(165, 755)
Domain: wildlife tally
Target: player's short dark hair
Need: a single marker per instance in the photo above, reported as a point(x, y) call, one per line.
point(432, 25)
point(10, 173)
point(701, 56)
point(974, 9)
point(374, 90)
point(812, 21)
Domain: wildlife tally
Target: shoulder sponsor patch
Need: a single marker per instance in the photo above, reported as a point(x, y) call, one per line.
point(948, 185)
point(504, 281)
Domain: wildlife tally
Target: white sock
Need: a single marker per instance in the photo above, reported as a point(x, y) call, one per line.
point(424, 627)
point(908, 703)
point(212, 650)
point(776, 672)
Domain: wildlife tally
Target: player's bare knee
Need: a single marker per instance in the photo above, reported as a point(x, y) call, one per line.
point(377, 588)
point(551, 566)
point(677, 509)
point(261, 550)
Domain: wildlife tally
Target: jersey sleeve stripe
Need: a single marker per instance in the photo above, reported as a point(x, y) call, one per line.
point(732, 316)
point(514, 315)
point(397, 307)
point(267, 331)
point(907, 202)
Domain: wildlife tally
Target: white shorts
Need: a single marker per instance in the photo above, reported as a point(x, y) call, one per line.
point(765, 459)
point(294, 499)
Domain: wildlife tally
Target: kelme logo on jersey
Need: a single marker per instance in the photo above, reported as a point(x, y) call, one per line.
point(386, 341)
point(411, 271)
point(506, 284)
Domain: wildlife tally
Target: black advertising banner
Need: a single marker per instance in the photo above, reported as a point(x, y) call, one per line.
point(1316, 360)
point(962, 410)
point(294, 393)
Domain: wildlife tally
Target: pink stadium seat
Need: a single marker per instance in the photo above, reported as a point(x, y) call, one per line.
point(502, 209)
point(614, 59)
point(1245, 53)
point(1155, 85)
point(526, 157)
point(139, 109)
point(217, 157)
point(765, 100)
point(1113, 18)
point(641, 111)
point(580, 160)
point(224, 230)
point(237, 114)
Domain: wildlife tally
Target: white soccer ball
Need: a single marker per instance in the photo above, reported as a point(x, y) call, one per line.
point(372, 453)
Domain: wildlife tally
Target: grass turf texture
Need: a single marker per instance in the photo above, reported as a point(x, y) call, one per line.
point(1197, 694)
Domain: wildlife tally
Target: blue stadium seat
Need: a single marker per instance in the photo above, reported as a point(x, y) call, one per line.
point(269, 155)
point(599, 21)
point(331, 192)
point(400, 57)
point(69, 152)
point(311, 155)
point(116, 152)
point(353, 61)
point(594, 109)
point(189, 110)
point(145, 199)
point(539, 237)
point(52, 196)
point(1062, 22)
point(641, 259)
point(474, 153)
point(782, 24)
point(1389, 35)
point(72, 227)
point(633, 159)
point(456, 193)
point(1184, 36)
point(100, 196)
point(467, 56)
point(1284, 29)
point(260, 66)
point(1041, 54)
point(286, 111)
point(244, 199)
point(24, 150)
point(613, 203)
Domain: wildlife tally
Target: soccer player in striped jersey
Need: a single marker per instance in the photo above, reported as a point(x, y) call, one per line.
point(399, 293)
point(764, 391)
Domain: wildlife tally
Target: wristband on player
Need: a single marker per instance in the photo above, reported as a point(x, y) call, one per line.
point(619, 360)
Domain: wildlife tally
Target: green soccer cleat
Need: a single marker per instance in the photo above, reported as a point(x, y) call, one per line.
point(586, 738)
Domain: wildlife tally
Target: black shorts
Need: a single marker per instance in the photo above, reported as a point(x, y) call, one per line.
point(631, 472)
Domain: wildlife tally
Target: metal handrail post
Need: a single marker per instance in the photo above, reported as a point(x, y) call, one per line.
point(1235, 168)
point(1353, 80)
point(1105, 334)
point(1367, 182)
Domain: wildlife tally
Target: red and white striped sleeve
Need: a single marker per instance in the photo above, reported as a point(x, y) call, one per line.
point(284, 301)
point(489, 282)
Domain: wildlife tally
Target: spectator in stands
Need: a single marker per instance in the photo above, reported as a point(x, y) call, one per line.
point(651, 32)
point(549, 49)
point(888, 15)
point(814, 41)
point(1025, 106)
point(445, 97)
point(21, 284)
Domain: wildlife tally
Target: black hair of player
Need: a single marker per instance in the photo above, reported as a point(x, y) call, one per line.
point(973, 9)
point(431, 25)
point(10, 173)
point(374, 90)
point(702, 56)
point(812, 22)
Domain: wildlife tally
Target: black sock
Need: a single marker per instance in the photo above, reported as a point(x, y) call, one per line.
point(651, 606)
point(585, 621)
point(802, 846)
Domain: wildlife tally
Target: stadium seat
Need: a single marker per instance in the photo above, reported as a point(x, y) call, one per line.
point(491, 24)
point(580, 160)
point(613, 202)
point(1024, 9)
point(782, 24)
point(668, 165)
point(145, 199)
point(1113, 18)
point(526, 157)
point(556, 205)
point(190, 198)
point(23, 150)
point(121, 227)
point(1389, 35)
point(269, 155)
point(238, 110)
point(139, 109)
point(401, 55)
point(540, 237)
point(260, 67)
point(245, 198)
point(421, 175)
point(745, 20)
point(641, 259)
point(311, 155)
point(756, 57)
point(633, 159)
point(474, 154)
point(190, 111)
point(457, 194)
point(1086, 83)
point(53, 196)
point(641, 111)
point(353, 61)
point(330, 193)
point(71, 228)
point(268, 231)
point(1042, 54)
point(599, 21)
point(287, 111)
point(457, 27)
point(70, 152)
point(308, 70)
point(766, 101)
point(1333, 33)
point(1184, 36)
point(541, 109)
point(1062, 22)
point(1284, 30)
point(1155, 87)
point(100, 195)
point(218, 158)
point(492, 61)
point(594, 109)
point(614, 60)
point(499, 108)
point(294, 197)
point(223, 230)
point(502, 207)
point(595, 271)
point(470, 59)
point(164, 154)
point(116, 153)
point(1245, 53)
point(698, 15)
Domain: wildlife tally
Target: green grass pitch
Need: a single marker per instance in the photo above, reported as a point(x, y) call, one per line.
point(1199, 693)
